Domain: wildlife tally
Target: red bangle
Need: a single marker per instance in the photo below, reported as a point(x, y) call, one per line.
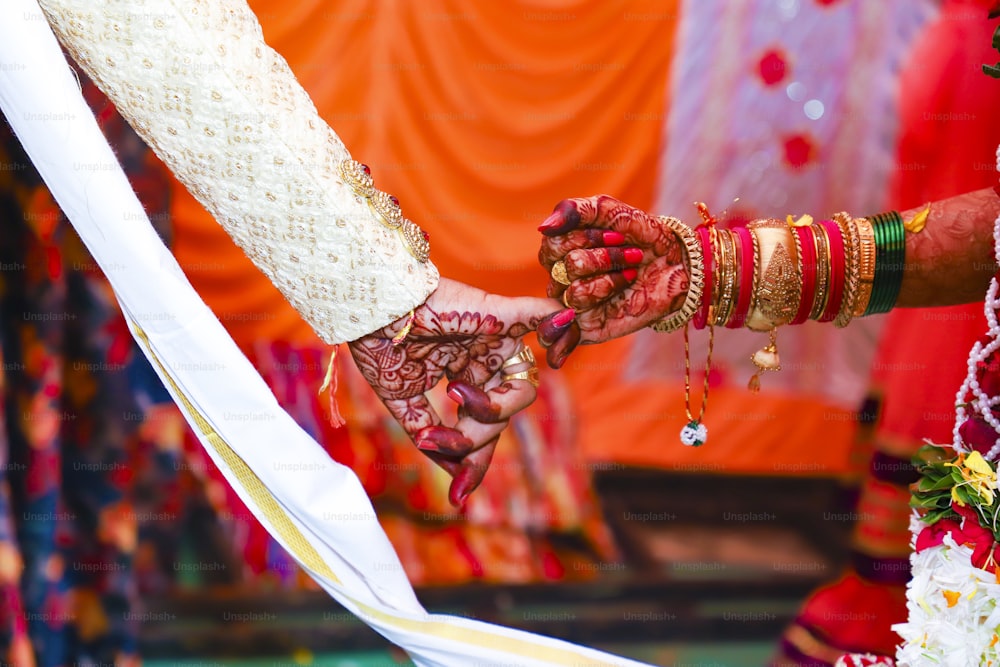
point(837, 270)
point(700, 318)
point(807, 246)
point(745, 251)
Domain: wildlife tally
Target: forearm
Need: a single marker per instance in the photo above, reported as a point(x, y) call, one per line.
point(952, 260)
point(226, 115)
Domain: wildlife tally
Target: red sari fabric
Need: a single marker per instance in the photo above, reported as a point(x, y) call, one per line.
point(947, 147)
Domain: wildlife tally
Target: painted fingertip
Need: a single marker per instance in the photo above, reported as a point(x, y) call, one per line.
point(562, 319)
point(455, 395)
point(613, 238)
point(458, 499)
point(633, 255)
point(630, 274)
point(551, 222)
point(428, 446)
point(563, 218)
point(461, 488)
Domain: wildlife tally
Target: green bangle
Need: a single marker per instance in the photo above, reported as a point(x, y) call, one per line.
point(897, 260)
point(881, 265)
point(890, 255)
point(876, 305)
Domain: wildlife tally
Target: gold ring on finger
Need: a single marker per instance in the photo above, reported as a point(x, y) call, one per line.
point(531, 375)
point(525, 356)
point(559, 273)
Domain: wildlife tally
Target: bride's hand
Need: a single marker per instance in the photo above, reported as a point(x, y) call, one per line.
point(465, 335)
point(624, 266)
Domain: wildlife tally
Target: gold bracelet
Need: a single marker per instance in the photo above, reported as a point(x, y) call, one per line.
point(866, 268)
point(727, 298)
point(696, 276)
point(713, 244)
point(822, 271)
point(776, 300)
point(738, 260)
point(852, 267)
point(799, 261)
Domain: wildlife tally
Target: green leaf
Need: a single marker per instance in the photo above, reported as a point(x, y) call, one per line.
point(931, 501)
point(930, 484)
point(934, 516)
point(929, 455)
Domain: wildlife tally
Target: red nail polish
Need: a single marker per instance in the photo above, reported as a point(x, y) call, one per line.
point(427, 446)
point(613, 238)
point(563, 318)
point(630, 274)
point(456, 395)
point(550, 222)
point(633, 255)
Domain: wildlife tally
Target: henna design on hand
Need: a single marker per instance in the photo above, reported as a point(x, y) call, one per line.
point(462, 334)
point(613, 302)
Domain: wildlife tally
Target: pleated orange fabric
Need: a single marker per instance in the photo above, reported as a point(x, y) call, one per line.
point(478, 116)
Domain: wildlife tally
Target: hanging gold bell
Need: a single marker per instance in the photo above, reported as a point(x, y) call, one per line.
point(765, 359)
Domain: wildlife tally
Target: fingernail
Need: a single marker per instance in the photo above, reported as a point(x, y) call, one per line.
point(460, 487)
point(630, 274)
point(633, 255)
point(428, 446)
point(455, 395)
point(551, 222)
point(563, 318)
point(613, 238)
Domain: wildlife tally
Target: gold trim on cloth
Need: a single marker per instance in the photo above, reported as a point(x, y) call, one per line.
point(305, 553)
point(257, 490)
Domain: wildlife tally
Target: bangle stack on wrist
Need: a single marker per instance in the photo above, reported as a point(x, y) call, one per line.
point(771, 272)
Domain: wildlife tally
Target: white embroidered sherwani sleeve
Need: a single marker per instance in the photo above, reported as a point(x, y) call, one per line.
point(227, 116)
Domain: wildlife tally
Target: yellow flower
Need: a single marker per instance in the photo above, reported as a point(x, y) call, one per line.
point(977, 473)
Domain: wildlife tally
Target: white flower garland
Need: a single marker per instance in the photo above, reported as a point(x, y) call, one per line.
point(954, 616)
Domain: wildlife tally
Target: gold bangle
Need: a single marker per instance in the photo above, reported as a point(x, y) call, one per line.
point(713, 244)
point(866, 268)
point(852, 267)
point(727, 300)
point(822, 271)
point(738, 260)
point(776, 300)
point(696, 276)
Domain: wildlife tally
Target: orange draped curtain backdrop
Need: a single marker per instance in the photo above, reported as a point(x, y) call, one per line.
point(478, 116)
point(481, 116)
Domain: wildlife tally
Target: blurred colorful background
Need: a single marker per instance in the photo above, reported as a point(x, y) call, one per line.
point(120, 543)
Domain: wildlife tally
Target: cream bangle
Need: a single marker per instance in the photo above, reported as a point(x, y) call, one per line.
point(696, 276)
point(776, 299)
